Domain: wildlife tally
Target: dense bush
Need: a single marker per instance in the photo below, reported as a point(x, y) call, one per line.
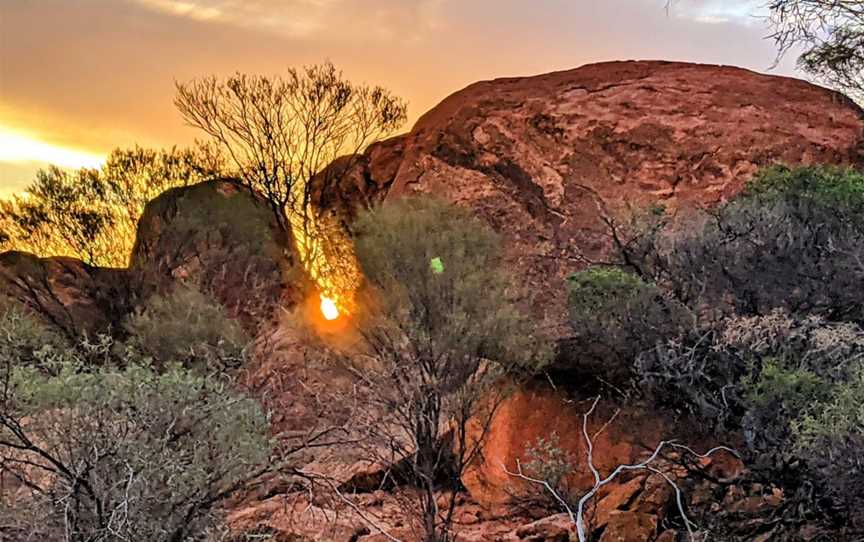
point(794, 240)
point(830, 436)
point(468, 310)
point(190, 328)
point(775, 278)
point(25, 342)
point(121, 454)
point(441, 323)
point(95, 444)
point(792, 385)
point(615, 316)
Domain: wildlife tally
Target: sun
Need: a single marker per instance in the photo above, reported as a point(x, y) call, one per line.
point(329, 308)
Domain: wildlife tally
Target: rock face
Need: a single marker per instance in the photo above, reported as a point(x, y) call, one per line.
point(538, 412)
point(543, 158)
point(70, 295)
point(220, 237)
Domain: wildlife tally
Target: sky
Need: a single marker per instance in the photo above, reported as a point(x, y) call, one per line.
point(80, 77)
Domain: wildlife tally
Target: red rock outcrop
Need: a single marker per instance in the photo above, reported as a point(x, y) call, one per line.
point(68, 294)
point(540, 157)
point(220, 237)
point(536, 412)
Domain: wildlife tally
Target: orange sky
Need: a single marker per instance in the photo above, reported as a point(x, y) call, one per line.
point(79, 77)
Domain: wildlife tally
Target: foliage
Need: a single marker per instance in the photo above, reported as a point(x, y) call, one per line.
point(615, 316)
point(774, 277)
point(280, 133)
point(831, 437)
point(93, 214)
point(117, 454)
point(831, 34)
point(57, 216)
point(190, 328)
point(546, 460)
point(791, 384)
point(470, 309)
point(793, 240)
point(427, 341)
point(25, 341)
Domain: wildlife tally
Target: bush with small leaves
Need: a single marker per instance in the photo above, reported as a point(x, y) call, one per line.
point(188, 327)
point(615, 316)
point(122, 453)
point(25, 341)
point(830, 437)
point(546, 460)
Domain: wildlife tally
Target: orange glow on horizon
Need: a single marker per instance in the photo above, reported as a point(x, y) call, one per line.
point(21, 147)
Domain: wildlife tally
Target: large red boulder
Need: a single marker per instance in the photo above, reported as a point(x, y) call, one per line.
point(543, 158)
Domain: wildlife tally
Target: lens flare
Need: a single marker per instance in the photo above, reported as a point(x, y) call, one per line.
point(329, 308)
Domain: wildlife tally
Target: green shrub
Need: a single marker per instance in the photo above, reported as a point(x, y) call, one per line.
point(123, 454)
point(471, 308)
point(545, 460)
point(190, 328)
point(440, 321)
point(794, 239)
point(26, 342)
point(829, 436)
point(615, 316)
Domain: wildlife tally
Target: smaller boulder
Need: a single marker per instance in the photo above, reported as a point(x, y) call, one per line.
point(223, 239)
point(628, 526)
point(557, 528)
point(67, 294)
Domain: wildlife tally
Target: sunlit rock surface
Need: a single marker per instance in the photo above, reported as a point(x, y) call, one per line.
point(539, 158)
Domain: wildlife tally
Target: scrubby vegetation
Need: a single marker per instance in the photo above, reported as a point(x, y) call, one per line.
point(773, 281)
point(96, 443)
point(443, 327)
point(615, 315)
point(189, 328)
point(793, 240)
point(93, 214)
point(744, 320)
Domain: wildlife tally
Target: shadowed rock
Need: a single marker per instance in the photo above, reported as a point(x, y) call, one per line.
point(220, 237)
point(66, 293)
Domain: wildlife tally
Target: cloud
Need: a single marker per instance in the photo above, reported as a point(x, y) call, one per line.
point(301, 19)
point(744, 12)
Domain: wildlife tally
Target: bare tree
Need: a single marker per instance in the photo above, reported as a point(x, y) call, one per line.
point(649, 464)
point(281, 133)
